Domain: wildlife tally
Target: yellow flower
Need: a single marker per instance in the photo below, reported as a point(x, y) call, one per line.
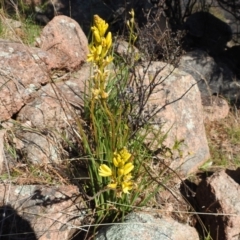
point(120, 176)
point(128, 168)
point(125, 155)
point(106, 61)
point(126, 186)
point(109, 40)
point(104, 171)
point(112, 185)
point(127, 177)
point(96, 93)
point(120, 172)
point(95, 53)
point(104, 95)
point(117, 161)
point(93, 56)
point(99, 50)
point(121, 158)
point(96, 34)
point(101, 75)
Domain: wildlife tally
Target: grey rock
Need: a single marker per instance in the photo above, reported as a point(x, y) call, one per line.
point(144, 225)
point(214, 78)
point(208, 31)
point(225, 13)
point(40, 149)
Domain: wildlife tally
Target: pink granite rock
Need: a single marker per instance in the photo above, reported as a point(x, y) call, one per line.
point(22, 72)
point(177, 101)
point(40, 212)
point(64, 38)
point(220, 194)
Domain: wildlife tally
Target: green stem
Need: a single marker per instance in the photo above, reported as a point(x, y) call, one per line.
point(111, 123)
point(93, 120)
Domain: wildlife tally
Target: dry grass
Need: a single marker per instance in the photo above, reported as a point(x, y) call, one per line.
point(224, 141)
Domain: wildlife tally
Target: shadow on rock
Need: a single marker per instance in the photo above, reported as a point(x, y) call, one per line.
point(207, 32)
point(13, 226)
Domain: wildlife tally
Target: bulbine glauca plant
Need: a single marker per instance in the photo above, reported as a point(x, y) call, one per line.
point(116, 161)
point(111, 162)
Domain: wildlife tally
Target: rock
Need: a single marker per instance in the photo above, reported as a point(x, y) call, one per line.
point(22, 72)
point(213, 78)
point(47, 110)
point(40, 148)
point(226, 16)
point(227, 12)
point(52, 113)
point(48, 116)
point(208, 31)
point(219, 194)
point(144, 225)
point(122, 48)
point(64, 38)
point(40, 212)
point(176, 101)
point(231, 57)
point(52, 104)
point(215, 108)
point(204, 70)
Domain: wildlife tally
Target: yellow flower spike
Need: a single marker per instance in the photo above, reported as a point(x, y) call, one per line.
point(101, 25)
point(104, 171)
point(128, 168)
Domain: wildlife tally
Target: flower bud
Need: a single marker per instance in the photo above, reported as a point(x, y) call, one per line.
point(109, 40)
